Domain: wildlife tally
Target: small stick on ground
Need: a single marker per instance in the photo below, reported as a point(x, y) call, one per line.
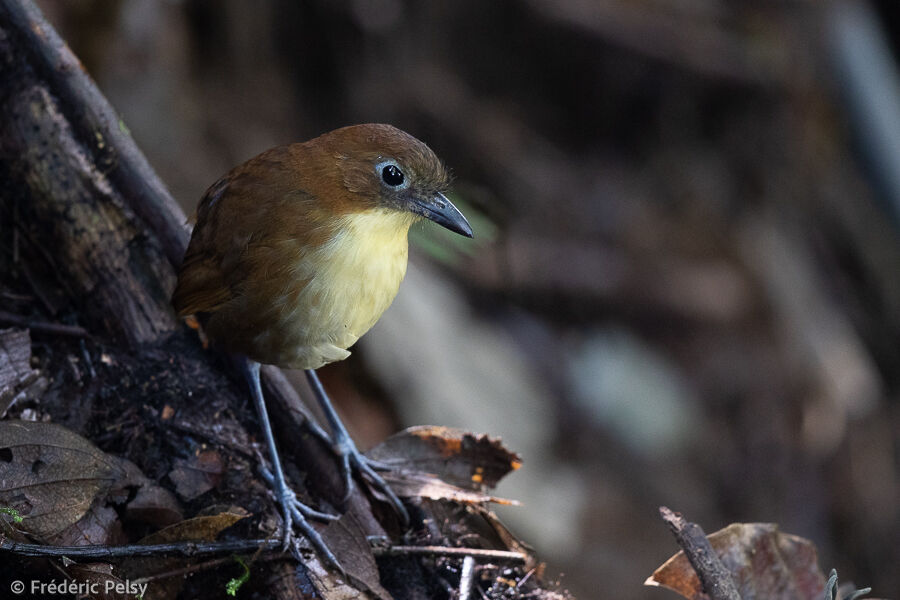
point(467, 580)
point(195, 549)
point(716, 579)
point(8, 318)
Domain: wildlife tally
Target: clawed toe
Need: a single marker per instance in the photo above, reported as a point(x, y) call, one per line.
point(349, 455)
point(315, 539)
point(286, 497)
point(355, 460)
point(294, 516)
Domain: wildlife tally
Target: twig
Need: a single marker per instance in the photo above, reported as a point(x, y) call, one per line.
point(42, 326)
point(209, 564)
point(505, 555)
point(716, 579)
point(130, 550)
point(189, 570)
point(466, 579)
point(193, 549)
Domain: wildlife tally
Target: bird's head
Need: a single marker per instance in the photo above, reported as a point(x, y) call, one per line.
point(380, 166)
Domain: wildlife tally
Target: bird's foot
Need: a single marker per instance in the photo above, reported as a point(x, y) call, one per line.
point(294, 516)
point(352, 459)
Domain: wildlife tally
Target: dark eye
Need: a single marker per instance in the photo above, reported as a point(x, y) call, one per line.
point(392, 175)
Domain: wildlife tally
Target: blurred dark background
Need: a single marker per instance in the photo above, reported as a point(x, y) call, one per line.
point(685, 283)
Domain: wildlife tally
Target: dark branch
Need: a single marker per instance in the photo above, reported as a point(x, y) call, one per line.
point(195, 549)
point(716, 579)
point(504, 555)
point(9, 318)
point(188, 549)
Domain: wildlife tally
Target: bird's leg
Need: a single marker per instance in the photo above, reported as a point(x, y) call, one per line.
point(293, 512)
point(351, 457)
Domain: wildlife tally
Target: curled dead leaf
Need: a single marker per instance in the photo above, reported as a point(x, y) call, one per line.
point(201, 528)
point(425, 485)
point(51, 475)
point(763, 561)
point(466, 460)
point(99, 526)
point(198, 475)
point(60, 484)
point(100, 577)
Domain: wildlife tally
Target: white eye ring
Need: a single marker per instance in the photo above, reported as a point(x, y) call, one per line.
point(391, 175)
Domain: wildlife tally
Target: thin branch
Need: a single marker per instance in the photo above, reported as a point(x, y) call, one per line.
point(194, 549)
point(189, 570)
point(9, 318)
point(504, 555)
point(716, 579)
point(466, 580)
point(189, 549)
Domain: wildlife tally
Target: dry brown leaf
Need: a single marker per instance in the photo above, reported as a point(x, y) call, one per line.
point(202, 528)
point(99, 526)
point(425, 485)
point(155, 506)
point(15, 357)
point(51, 475)
point(510, 541)
point(764, 562)
point(198, 475)
point(347, 539)
point(60, 484)
point(100, 577)
point(205, 528)
point(469, 461)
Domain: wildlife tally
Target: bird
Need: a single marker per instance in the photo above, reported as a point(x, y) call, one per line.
point(295, 254)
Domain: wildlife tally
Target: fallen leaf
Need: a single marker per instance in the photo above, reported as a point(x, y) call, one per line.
point(203, 528)
point(150, 504)
point(764, 562)
point(466, 460)
point(425, 485)
point(15, 357)
point(51, 475)
point(198, 475)
point(100, 577)
point(99, 526)
point(155, 506)
point(510, 541)
point(346, 537)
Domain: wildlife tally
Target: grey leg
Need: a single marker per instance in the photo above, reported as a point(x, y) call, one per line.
point(292, 510)
point(351, 457)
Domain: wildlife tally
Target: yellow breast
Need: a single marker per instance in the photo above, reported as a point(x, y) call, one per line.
point(355, 278)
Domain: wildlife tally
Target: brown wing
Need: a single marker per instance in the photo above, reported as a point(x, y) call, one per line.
point(243, 223)
point(200, 289)
point(201, 285)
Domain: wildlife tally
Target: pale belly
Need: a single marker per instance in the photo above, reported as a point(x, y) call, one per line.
point(325, 312)
point(326, 323)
